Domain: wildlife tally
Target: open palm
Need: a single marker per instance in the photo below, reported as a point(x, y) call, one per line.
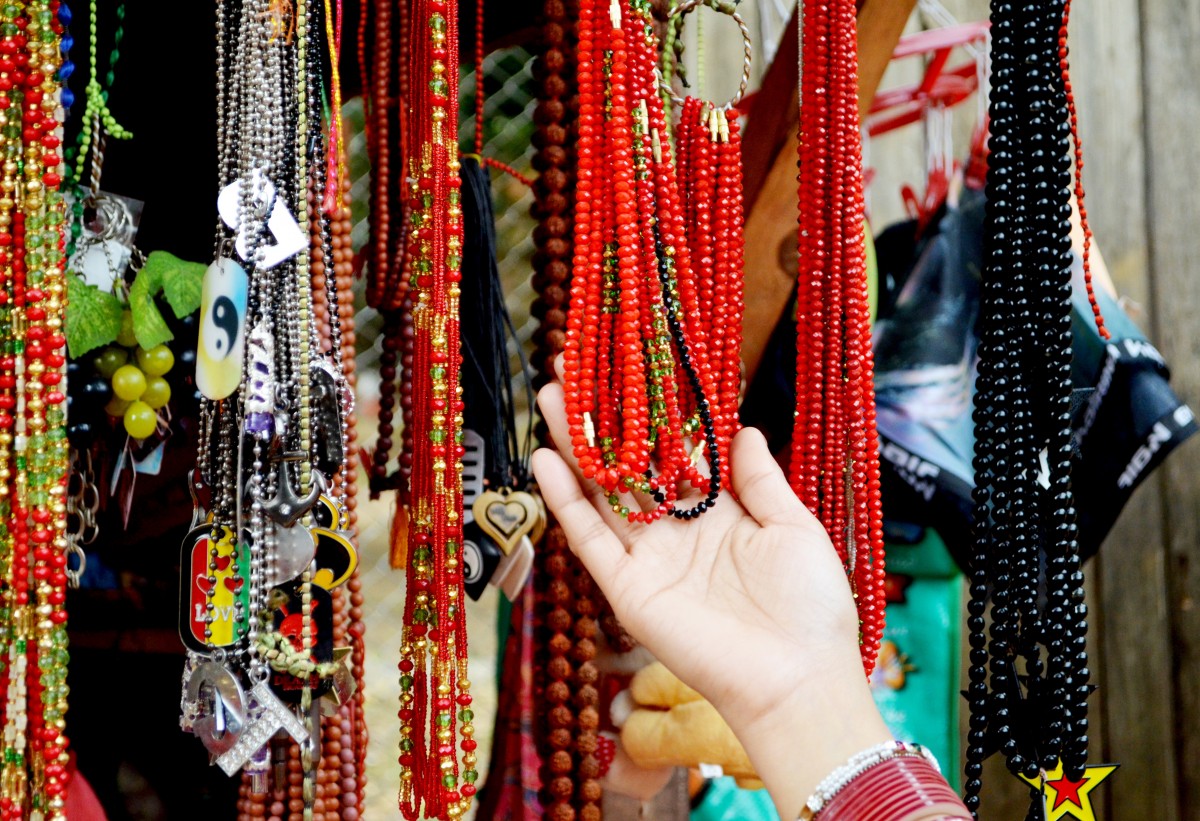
point(740, 603)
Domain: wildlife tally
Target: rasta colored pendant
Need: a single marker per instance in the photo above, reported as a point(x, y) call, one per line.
point(435, 700)
point(1029, 678)
point(648, 372)
point(835, 446)
point(33, 443)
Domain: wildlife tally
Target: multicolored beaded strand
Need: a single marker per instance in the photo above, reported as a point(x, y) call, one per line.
point(435, 712)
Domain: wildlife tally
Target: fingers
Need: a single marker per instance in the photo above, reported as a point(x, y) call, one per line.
point(591, 538)
point(550, 403)
point(760, 484)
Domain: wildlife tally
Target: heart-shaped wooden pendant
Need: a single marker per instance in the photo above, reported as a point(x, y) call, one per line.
point(539, 529)
point(506, 516)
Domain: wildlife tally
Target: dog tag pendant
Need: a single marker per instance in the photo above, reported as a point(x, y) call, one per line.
point(213, 574)
point(223, 302)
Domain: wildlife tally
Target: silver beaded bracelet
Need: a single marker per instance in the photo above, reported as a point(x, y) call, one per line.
point(858, 764)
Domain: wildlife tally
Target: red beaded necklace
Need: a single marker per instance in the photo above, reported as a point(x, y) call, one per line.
point(645, 370)
point(435, 699)
point(710, 155)
point(835, 452)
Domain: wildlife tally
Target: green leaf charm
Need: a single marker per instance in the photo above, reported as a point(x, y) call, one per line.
point(148, 325)
point(182, 281)
point(93, 317)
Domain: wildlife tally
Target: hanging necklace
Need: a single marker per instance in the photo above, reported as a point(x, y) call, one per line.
point(1029, 683)
point(710, 154)
point(639, 373)
point(835, 453)
point(566, 728)
point(262, 573)
point(33, 444)
point(435, 711)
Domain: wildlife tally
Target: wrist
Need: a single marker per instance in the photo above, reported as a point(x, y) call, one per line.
point(808, 727)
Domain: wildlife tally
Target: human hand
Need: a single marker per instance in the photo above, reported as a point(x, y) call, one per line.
point(748, 604)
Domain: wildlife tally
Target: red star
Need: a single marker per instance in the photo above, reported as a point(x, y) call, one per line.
point(1067, 790)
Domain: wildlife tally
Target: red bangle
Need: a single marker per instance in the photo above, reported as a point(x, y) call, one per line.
point(895, 790)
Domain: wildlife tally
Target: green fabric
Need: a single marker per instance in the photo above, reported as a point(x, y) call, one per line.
point(926, 631)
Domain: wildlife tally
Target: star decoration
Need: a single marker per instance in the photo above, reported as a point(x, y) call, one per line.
point(342, 681)
point(1066, 798)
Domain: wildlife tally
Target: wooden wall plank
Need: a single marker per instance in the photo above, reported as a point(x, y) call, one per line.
point(1133, 660)
point(1170, 61)
point(1133, 663)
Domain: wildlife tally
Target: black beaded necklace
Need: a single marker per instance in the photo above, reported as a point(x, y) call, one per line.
point(1028, 675)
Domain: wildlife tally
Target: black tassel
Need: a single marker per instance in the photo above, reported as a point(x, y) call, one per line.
point(486, 330)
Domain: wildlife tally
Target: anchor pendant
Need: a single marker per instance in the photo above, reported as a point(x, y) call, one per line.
point(287, 507)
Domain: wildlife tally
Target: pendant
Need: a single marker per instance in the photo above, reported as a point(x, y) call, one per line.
point(474, 465)
point(213, 574)
point(261, 413)
point(216, 701)
point(512, 574)
point(1063, 798)
point(289, 240)
point(223, 303)
point(336, 558)
point(287, 507)
point(295, 548)
point(267, 716)
point(330, 453)
point(288, 621)
point(326, 515)
point(480, 558)
point(507, 516)
point(341, 683)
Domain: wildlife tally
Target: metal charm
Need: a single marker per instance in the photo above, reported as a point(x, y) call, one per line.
point(211, 574)
point(218, 707)
point(268, 715)
point(295, 548)
point(342, 683)
point(326, 403)
point(287, 507)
